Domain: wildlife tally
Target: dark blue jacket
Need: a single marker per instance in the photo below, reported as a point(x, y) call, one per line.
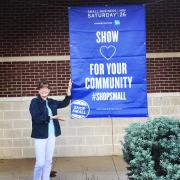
point(40, 118)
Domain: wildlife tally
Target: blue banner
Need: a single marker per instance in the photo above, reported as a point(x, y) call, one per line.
point(108, 61)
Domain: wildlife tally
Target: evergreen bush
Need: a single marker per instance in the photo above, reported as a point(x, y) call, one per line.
point(152, 149)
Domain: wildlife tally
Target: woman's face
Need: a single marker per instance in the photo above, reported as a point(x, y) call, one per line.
point(44, 92)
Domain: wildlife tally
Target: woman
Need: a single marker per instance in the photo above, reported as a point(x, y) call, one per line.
point(45, 127)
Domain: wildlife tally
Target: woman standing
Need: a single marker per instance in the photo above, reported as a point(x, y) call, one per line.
point(45, 127)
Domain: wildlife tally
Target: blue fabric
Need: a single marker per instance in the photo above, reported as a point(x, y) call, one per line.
point(108, 61)
point(51, 124)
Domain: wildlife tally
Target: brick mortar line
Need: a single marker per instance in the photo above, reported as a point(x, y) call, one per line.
point(67, 58)
point(34, 58)
point(27, 98)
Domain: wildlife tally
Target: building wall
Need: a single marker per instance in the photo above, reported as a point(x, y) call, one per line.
point(34, 44)
point(80, 137)
point(32, 30)
point(40, 28)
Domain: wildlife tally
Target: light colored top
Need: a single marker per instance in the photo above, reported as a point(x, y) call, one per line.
point(51, 130)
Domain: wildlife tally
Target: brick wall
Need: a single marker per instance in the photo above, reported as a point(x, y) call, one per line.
point(31, 28)
point(40, 28)
point(21, 78)
point(163, 75)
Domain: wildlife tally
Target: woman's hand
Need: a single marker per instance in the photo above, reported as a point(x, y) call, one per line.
point(58, 117)
point(69, 88)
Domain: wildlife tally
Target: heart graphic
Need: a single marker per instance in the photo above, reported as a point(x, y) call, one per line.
point(107, 51)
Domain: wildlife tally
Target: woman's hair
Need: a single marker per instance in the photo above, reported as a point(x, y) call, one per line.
point(43, 83)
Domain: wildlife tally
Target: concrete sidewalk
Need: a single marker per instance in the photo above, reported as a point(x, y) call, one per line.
point(70, 168)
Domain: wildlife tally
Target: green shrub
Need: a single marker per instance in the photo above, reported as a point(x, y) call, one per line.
point(152, 149)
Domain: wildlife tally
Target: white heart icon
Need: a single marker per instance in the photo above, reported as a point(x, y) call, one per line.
point(107, 51)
